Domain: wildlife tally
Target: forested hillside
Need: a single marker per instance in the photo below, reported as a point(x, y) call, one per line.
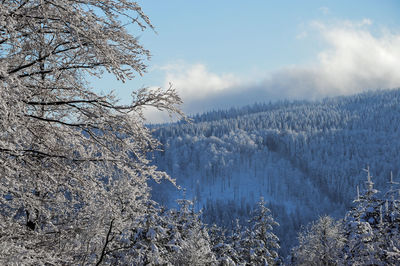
point(304, 158)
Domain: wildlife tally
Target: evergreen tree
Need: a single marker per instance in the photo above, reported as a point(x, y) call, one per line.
point(223, 250)
point(189, 237)
point(260, 243)
point(363, 225)
point(369, 234)
point(236, 239)
point(389, 229)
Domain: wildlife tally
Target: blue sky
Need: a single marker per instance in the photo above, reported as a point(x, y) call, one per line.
point(230, 53)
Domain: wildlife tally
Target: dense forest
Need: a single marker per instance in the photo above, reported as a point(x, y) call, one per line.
point(305, 159)
point(77, 186)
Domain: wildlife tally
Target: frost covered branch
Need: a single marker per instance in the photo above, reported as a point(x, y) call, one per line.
point(72, 159)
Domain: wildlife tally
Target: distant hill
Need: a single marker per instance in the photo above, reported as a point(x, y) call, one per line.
point(304, 158)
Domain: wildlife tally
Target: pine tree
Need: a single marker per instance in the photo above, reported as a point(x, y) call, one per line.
point(362, 225)
point(260, 243)
point(389, 229)
point(190, 240)
point(238, 254)
point(222, 249)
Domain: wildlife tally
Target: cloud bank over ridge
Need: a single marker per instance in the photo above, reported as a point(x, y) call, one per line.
point(354, 60)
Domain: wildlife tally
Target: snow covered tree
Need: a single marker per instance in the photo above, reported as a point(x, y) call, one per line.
point(223, 250)
point(73, 167)
point(390, 228)
point(149, 238)
point(368, 235)
point(321, 243)
point(190, 240)
point(235, 239)
point(362, 226)
point(260, 243)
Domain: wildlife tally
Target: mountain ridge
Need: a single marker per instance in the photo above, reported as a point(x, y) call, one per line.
point(305, 158)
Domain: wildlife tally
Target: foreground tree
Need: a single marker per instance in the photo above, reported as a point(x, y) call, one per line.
point(368, 235)
point(224, 251)
point(361, 225)
point(321, 243)
point(260, 243)
point(190, 241)
point(236, 238)
point(73, 165)
point(372, 227)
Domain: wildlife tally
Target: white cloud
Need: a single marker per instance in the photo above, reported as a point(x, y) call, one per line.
point(194, 84)
point(354, 60)
point(155, 116)
point(197, 82)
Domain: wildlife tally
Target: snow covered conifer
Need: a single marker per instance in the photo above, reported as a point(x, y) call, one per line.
point(223, 250)
point(260, 243)
point(235, 239)
point(190, 241)
point(362, 226)
point(389, 228)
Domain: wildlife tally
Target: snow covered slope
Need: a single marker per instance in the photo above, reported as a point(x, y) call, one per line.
point(304, 158)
